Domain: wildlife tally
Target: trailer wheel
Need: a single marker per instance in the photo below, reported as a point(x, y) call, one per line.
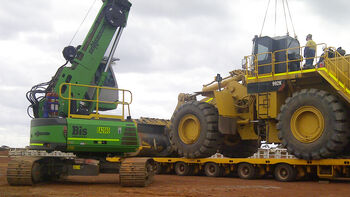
point(167, 169)
point(194, 130)
point(285, 172)
point(158, 169)
point(312, 125)
point(212, 169)
point(182, 169)
point(37, 175)
point(226, 171)
point(163, 169)
point(247, 171)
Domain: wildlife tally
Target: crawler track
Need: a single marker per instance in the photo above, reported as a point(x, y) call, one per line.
point(136, 172)
point(19, 171)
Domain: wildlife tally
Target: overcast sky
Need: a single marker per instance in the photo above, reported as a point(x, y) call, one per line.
point(168, 47)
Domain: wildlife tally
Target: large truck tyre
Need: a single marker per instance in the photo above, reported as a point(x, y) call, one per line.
point(241, 149)
point(312, 125)
point(194, 130)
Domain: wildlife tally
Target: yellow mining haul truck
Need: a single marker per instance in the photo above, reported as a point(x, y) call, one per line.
point(274, 99)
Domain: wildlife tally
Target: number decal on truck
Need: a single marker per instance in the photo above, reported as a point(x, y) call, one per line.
point(103, 130)
point(276, 83)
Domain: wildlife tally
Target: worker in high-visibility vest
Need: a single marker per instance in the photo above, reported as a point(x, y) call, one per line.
point(309, 52)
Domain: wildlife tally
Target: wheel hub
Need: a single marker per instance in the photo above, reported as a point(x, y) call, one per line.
point(182, 168)
point(245, 171)
point(211, 168)
point(307, 124)
point(189, 129)
point(283, 173)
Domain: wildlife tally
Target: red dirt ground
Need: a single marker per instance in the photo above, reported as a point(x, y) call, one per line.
point(171, 185)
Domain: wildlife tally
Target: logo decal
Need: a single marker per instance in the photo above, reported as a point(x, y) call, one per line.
point(38, 133)
point(79, 131)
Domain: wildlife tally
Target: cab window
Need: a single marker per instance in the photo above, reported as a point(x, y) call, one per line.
point(262, 49)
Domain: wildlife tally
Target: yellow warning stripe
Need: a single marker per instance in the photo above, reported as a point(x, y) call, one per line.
point(36, 144)
point(93, 139)
point(209, 100)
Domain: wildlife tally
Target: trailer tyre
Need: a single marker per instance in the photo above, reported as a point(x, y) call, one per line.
point(194, 130)
point(158, 168)
point(247, 171)
point(163, 169)
point(312, 125)
point(212, 169)
point(37, 175)
point(285, 172)
point(183, 169)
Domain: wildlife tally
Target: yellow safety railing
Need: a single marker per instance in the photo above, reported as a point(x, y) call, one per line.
point(252, 66)
point(338, 68)
point(97, 101)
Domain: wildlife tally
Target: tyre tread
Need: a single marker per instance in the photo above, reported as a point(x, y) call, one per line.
point(337, 140)
point(212, 139)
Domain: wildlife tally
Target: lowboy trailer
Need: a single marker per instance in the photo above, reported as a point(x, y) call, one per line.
point(281, 165)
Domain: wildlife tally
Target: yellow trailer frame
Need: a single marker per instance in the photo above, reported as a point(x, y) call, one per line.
point(280, 168)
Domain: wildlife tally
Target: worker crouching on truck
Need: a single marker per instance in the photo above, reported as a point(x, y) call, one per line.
point(309, 52)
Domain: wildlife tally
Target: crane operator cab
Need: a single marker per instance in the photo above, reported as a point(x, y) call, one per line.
point(109, 94)
point(276, 54)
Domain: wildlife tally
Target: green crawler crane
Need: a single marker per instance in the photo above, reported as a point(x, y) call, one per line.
point(69, 113)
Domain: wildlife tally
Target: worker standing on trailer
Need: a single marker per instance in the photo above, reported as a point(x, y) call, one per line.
point(309, 52)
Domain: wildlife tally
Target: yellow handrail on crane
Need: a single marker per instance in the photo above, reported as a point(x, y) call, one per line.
point(96, 114)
